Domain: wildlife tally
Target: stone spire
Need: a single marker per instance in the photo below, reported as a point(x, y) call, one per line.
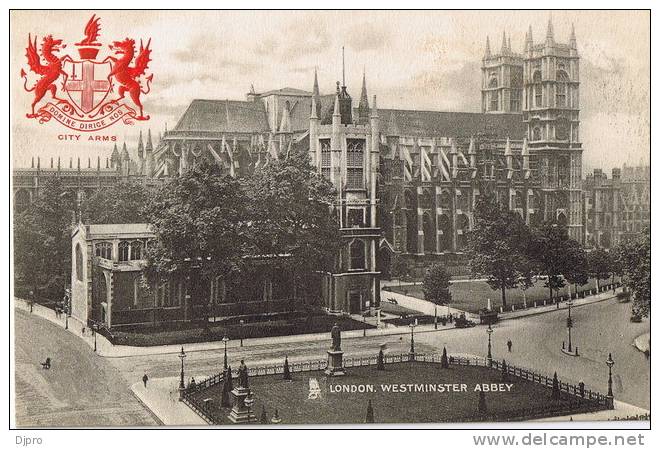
point(124, 153)
point(504, 49)
point(550, 33)
point(487, 54)
point(529, 40)
point(140, 148)
point(150, 145)
point(573, 39)
point(363, 106)
point(316, 94)
point(115, 154)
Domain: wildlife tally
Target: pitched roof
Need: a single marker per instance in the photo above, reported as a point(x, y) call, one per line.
point(454, 124)
point(224, 116)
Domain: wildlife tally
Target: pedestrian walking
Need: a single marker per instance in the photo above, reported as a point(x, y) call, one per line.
point(509, 344)
point(145, 378)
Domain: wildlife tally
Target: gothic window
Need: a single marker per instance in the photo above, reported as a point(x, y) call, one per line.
point(515, 100)
point(103, 250)
point(429, 233)
point(444, 226)
point(163, 294)
point(325, 158)
point(357, 255)
point(562, 87)
point(354, 164)
point(536, 133)
point(538, 89)
point(355, 217)
point(136, 250)
point(79, 263)
point(124, 251)
point(562, 129)
point(494, 102)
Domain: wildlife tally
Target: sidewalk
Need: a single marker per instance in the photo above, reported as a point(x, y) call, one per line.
point(161, 397)
point(622, 410)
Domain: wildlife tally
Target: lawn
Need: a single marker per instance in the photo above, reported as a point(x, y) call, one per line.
point(169, 335)
point(526, 400)
point(472, 296)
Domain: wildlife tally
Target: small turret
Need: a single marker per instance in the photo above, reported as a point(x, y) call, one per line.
point(316, 95)
point(550, 34)
point(363, 106)
point(140, 148)
point(487, 54)
point(573, 39)
point(472, 153)
point(504, 50)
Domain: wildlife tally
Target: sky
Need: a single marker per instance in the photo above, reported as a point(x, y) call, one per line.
point(426, 60)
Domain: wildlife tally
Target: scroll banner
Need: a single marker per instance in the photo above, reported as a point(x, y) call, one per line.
point(106, 116)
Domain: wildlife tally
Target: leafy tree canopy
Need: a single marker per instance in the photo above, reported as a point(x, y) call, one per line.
point(436, 285)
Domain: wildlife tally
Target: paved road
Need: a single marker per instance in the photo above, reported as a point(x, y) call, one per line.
point(202, 364)
point(80, 389)
point(600, 328)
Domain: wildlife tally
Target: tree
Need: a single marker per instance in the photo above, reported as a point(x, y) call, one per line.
point(600, 264)
point(555, 387)
point(436, 285)
point(121, 203)
point(199, 221)
point(291, 218)
point(577, 264)
point(550, 248)
point(634, 262)
point(399, 268)
point(287, 372)
point(444, 362)
point(42, 240)
point(497, 247)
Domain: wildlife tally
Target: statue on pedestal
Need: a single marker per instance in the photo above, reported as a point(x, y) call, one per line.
point(335, 333)
point(335, 365)
point(243, 375)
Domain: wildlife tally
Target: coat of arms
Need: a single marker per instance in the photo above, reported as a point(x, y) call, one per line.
point(89, 93)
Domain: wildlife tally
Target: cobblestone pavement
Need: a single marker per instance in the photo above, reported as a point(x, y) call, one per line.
point(80, 389)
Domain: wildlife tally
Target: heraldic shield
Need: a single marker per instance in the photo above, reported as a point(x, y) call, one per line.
point(87, 83)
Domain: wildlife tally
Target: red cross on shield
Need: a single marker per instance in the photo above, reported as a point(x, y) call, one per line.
point(87, 84)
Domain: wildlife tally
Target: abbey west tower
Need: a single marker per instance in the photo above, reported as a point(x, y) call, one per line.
point(543, 83)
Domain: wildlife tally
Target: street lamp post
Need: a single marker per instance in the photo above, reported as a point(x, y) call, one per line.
point(182, 355)
point(412, 339)
point(364, 325)
point(242, 322)
point(610, 394)
point(435, 316)
point(569, 326)
point(95, 329)
point(225, 339)
point(489, 357)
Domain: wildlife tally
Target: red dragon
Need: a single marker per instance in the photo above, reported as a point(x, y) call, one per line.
point(49, 72)
point(127, 76)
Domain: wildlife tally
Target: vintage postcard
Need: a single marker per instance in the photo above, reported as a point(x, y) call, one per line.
point(306, 218)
